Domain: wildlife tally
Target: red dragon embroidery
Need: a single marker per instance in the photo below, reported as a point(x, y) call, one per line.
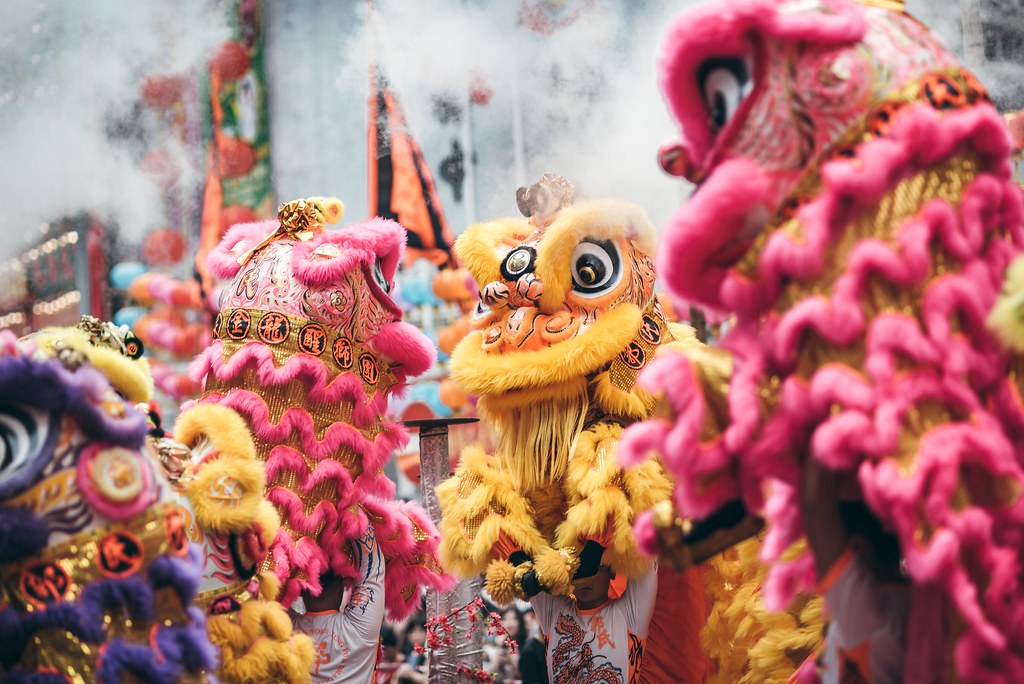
point(573, 660)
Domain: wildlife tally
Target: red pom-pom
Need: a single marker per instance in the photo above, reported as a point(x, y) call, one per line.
point(235, 214)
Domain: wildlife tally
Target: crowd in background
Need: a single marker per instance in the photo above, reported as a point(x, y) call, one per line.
point(403, 663)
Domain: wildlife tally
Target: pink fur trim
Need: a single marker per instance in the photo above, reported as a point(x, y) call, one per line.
point(361, 244)
point(222, 262)
point(403, 341)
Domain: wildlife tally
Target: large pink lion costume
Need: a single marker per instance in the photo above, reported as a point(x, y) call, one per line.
point(308, 347)
point(855, 215)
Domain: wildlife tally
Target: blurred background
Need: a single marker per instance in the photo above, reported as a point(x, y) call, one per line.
point(134, 134)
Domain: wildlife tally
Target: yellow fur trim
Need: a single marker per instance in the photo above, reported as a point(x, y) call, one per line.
point(499, 582)
point(552, 571)
point(604, 499)
point(605, 219)
point(484, 374)
point(268, 520)
point(537, 432)
point(270, 586)
point(483, 246)
point(1007, 316)
point(257, 645)
point(746, 643)
point(226, 430)
point(131, 377)
point(477, 505)
point(227, 491)
point(637, 404)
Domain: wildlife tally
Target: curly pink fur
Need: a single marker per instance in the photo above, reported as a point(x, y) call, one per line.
point(854, 418)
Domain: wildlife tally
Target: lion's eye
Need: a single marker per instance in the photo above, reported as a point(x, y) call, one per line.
point(378, 277)
point(724, 84)
point(596, 267)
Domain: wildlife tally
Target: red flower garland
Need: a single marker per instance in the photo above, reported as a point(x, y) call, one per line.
point(442, 631)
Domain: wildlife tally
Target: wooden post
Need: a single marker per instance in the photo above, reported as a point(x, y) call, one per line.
point(442, 665)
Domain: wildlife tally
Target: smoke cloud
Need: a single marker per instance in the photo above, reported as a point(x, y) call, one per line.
point(71, 129)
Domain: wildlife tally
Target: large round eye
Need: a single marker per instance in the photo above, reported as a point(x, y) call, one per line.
point(596, 267)
point(519, 261)
point(724, 84)
point(26, 437)
point(378, 277)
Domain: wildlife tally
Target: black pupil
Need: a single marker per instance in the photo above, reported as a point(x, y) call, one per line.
point(718, 109)
point(590, 269)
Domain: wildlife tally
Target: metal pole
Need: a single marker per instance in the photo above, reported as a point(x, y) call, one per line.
point(443, 663)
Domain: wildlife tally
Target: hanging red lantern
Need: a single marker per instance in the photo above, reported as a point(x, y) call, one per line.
point(479, 92)
point(230, 61)
point(160, 91)
point(161, 167)
point(452, 396)
point(236, 157)
point(163, 247)
point(235, 214)
point(1015, 122)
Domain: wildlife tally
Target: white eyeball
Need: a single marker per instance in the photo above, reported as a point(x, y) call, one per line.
point(596, 267)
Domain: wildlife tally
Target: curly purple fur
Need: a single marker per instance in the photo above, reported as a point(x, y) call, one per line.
point(22, 533)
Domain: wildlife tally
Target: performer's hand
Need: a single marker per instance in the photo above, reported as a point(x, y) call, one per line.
point(530, 585)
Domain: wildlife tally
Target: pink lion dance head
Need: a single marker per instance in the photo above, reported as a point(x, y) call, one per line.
point(856, 214)
point(309, 345)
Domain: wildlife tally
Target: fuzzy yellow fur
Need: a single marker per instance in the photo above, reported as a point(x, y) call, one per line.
point(552, 571)
point(131, 377)
point(483, 246)
point(499, 582)
point(499, 507)
point(1007, 316)
point(481, 373)
point(257, 645)
point(236, 460)
point(748, 644)
point(605, 219)
point(603, 499)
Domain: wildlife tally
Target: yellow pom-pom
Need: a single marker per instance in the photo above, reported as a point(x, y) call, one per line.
point(333, 209)
point(1007, 316)
point(270, 586)
point(500, 582)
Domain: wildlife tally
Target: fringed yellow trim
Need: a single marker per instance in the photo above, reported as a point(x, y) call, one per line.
point(257, 645)
point(747, 643)
point(1006, 319)
point(483, 374)
point(536, 437)
point(483, 246)
point(477, 506)
point(604, 499)
point(598, 219)
point(131, 377)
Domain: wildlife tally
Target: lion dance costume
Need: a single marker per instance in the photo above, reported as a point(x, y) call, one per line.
point(98, 574)
point(856, 214)
point(213, 475)
point(567, 318)
point(308, 347)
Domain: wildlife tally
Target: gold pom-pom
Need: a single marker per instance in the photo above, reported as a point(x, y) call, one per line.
point(500, 582)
